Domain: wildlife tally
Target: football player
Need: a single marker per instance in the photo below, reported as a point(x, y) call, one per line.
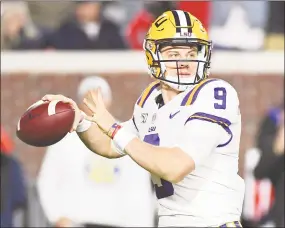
point(185, 129)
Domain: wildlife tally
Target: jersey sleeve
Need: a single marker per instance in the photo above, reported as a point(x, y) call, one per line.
point(208, 125)
point(218, 101)
point(199, 139)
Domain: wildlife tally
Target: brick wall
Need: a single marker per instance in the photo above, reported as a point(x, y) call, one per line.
point(19, 91)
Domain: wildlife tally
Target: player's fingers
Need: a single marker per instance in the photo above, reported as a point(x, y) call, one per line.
point(51, 97)
point(36, 104)
point(89, 105)
point(68, 100)
point(100, 98)
point(74, 126)
point(47, 97)
point(76, 121)
point(91, 98)
point(94, 95)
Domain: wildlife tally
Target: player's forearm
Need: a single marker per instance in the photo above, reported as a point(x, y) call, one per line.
point(171, 164)
point(96, 141)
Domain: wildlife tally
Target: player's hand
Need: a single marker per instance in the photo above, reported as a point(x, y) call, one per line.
point(77, 119)
point(100, 115)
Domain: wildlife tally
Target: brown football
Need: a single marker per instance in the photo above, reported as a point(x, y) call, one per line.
point(45, 123)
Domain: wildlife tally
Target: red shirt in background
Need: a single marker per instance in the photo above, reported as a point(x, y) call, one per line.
point(137, 29)
point(140, 24)
point(6, 142)
point(201, 10)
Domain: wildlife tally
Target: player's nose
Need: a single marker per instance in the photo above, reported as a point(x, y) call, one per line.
point(183, 65)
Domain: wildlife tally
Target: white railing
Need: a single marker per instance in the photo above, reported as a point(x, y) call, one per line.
point(254, 63)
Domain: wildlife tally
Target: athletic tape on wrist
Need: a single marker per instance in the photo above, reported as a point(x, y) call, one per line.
point(122, 138)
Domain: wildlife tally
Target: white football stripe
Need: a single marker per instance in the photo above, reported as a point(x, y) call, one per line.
point(18, 125)
point(183, 21)
point(51, 107)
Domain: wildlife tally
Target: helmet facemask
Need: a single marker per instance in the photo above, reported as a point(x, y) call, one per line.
point(158, 65)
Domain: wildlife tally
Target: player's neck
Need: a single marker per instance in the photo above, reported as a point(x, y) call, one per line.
point(168, 93)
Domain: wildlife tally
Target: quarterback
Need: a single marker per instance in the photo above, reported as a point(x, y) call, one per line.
point(185, 129)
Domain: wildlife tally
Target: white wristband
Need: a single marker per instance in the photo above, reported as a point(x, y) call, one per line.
point(122, 139)
point(84, 125)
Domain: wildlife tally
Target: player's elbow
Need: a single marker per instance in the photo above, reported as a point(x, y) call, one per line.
point(181, 171)
point(182, 174)
point(175, 178)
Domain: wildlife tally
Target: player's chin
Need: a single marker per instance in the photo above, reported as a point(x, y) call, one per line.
point(185, 76)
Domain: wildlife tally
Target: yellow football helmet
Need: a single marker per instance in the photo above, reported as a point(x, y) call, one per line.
point(177, 28)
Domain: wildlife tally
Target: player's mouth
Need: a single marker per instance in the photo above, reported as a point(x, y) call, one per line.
point(184, 74)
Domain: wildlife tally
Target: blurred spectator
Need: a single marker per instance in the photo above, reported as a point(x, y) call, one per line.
point(271, 165)
point(275, 26)
point(6, 142)
point(87, 30)
point(17, 29)
point(114, 11)
point(239, 25)
point(78, 187)
point(139, 25)
point(122, 12)
point(13, 189)
point(48, 15)
point(259, 194)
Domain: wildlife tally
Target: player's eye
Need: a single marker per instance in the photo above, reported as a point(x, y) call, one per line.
point(173, 55)
point(192, 55)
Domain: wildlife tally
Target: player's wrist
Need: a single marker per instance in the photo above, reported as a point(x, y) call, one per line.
point(84, 124)
point(113, 130)
point(120, 136)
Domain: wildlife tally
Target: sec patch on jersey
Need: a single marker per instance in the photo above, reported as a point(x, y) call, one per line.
point(45, 123)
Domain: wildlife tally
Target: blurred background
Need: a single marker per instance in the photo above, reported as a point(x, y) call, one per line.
point(51, 47)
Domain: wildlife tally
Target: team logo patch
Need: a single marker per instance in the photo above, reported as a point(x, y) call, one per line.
point(153, 128)
point(153, 118)
point(144, 117)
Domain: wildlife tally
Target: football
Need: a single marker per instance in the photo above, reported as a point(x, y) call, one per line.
point(45, 123)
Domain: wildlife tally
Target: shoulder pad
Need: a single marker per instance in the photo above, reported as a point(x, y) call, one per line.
point(214, 97)
point(147, 92)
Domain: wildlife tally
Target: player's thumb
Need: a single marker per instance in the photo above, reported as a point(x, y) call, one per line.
point(76, 121)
